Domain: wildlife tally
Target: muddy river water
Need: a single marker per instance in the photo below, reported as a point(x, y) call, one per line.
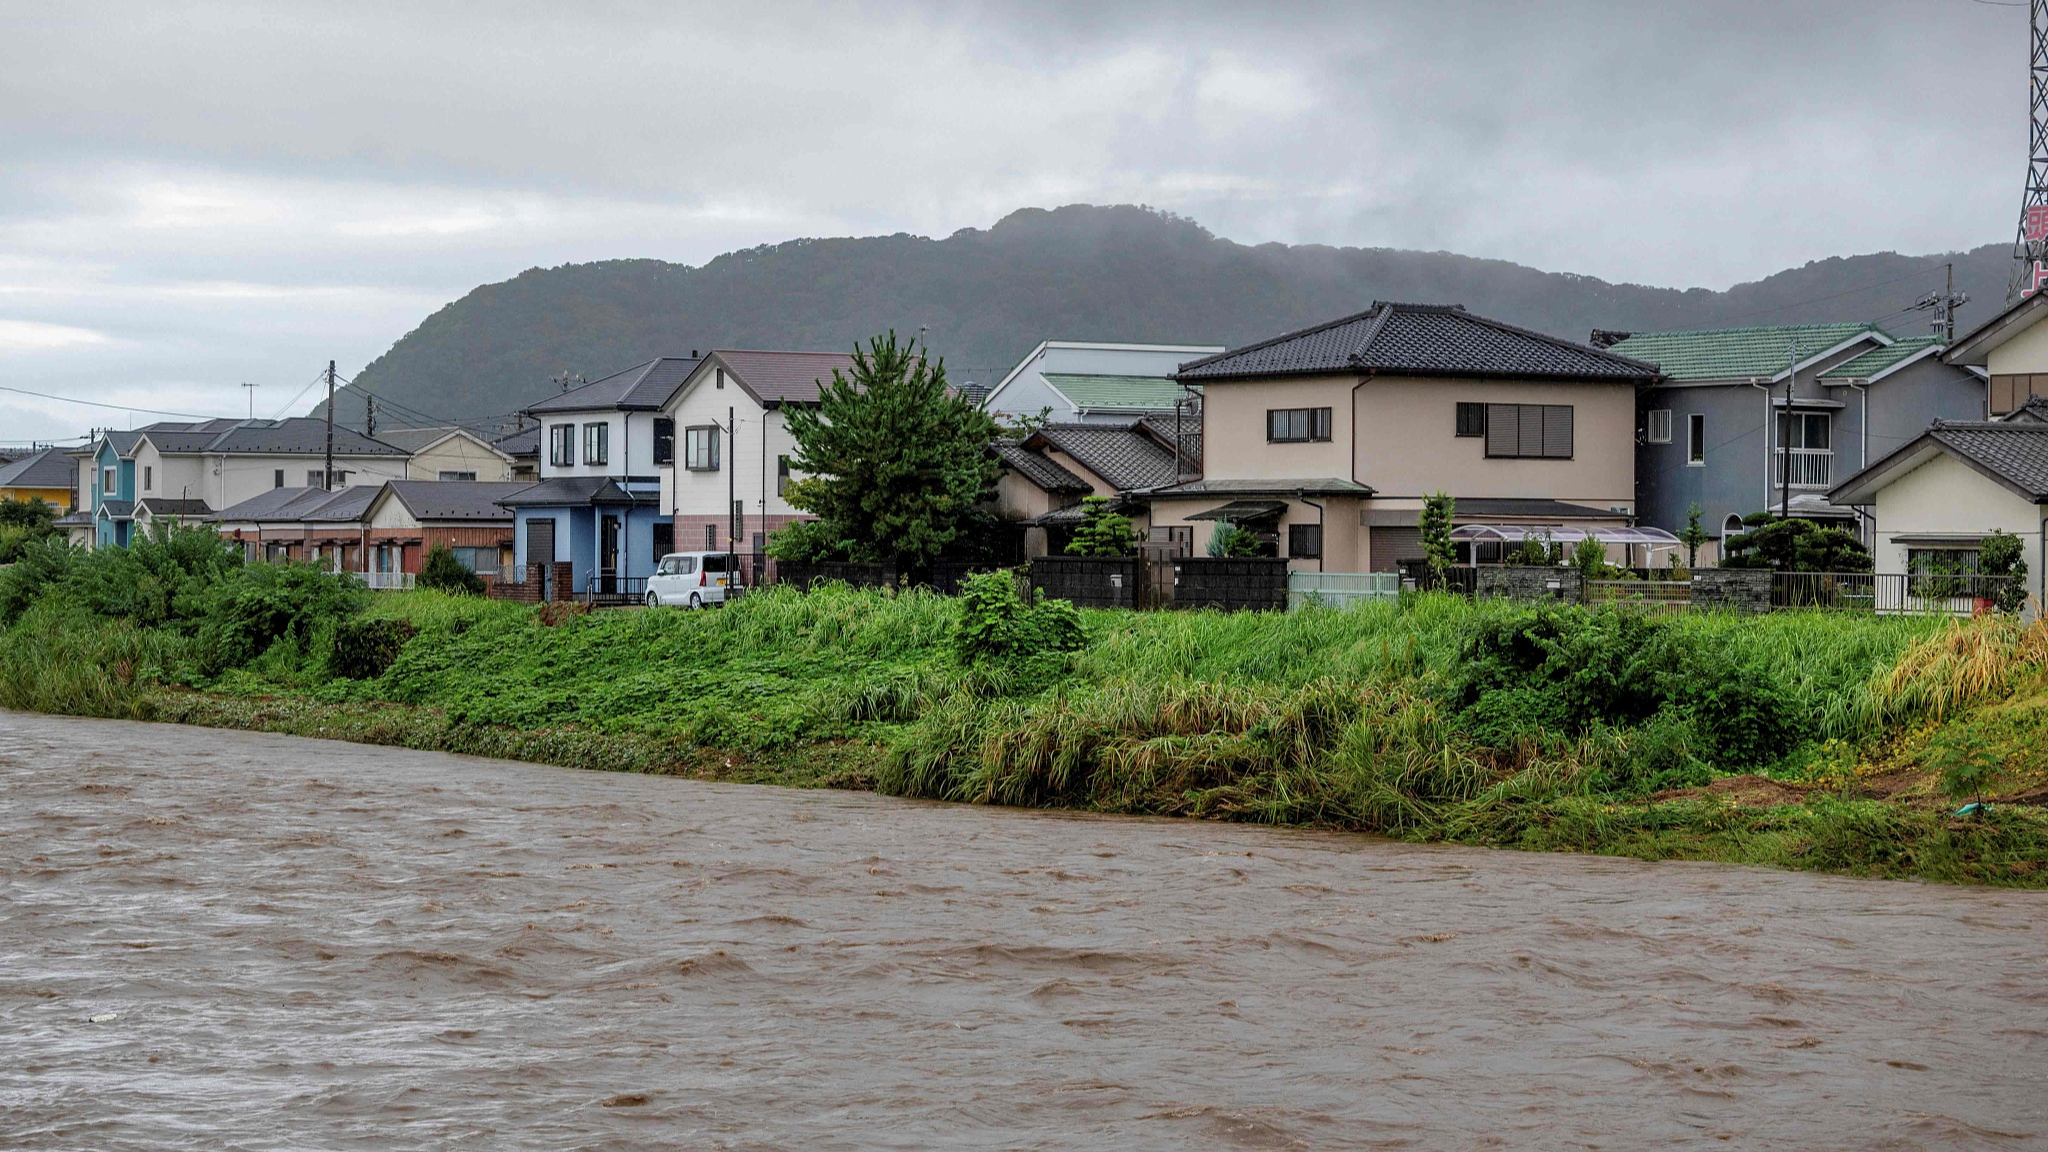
point(300, 944)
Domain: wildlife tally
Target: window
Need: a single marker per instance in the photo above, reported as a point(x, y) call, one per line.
point(1805, 430)
point(1696, 438)
point(1941, 561)
point(664, 440)
point(782, 475)
point(683, 566)
point(1471, 418)
point(110, 486)
point(664, 538)
point(562, 445)
point(1529, 431)
point(475, 559)
point(1305, 541)
point(714, 563)
point(148, 478)
point(1659, 430)
point(276, 478)
point(700, 448)
point(596, 443)
point(445, 474)
point(721, 378)
point(711, 537)
point(313, 478)
point(1297, 425)
point(2008, 393)
point(1733, 526)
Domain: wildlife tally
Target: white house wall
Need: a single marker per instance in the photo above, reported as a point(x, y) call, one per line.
point(229, 480)
point(1027, 393)
point(629, 448)
point(705, 493)
point(459, 454)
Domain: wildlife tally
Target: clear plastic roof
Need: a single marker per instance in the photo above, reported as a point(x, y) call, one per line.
point(1516, 533)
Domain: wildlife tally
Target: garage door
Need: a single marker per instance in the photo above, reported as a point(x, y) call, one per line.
point(1390, 546)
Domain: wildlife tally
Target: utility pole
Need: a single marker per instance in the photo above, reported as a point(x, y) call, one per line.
point(327, 475)
point(732, 497)
point(369, 415)
point(1944, 304)
point(251, 389)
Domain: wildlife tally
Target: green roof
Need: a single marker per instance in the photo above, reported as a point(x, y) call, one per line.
point(1735, 353)
point(1878, 359)
point(1135, 393)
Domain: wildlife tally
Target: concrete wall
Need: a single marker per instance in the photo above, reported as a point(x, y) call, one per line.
point(1746, 590)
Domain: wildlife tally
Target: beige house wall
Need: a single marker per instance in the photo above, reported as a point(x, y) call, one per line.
point(1234, 444)
point(1408, 443)
point(1946, 497)
point(389, 512)
point(1345, 543)
point(463, 453)
point(2026, 352)
point(1020, 499)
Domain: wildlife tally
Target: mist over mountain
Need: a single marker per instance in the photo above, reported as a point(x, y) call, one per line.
point(985, 297)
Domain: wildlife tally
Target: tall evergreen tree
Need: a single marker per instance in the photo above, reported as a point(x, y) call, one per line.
point(896, 462)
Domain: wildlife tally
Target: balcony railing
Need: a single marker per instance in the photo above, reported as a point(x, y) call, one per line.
point(1809, 468)
point(387, 581)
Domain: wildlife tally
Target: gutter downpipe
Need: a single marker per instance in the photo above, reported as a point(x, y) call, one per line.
point(1351, 465)
point(1765, 386)
point(1321, 520)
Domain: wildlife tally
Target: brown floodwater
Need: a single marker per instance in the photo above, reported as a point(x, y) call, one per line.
point(304, 944)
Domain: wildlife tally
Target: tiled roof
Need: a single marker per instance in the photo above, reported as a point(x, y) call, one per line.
point(172, 506)
point(455, 499)
point(2034, 411)
point(1737, 353)
point(276, 504)
point(416, 440)
point(1876, 360)
point(1119, 393)
point(76, 518)
point(572, 492)
point(1122, 454)
point(773, 378)
point(345, 505)
point(2016, 452)
point(1037, 469)
point(117, 509)
point(525, 442)
point(1470, 507)
point(1419, 339)
point(49, 468)
point(643, 387)
point(292, 436)
point(1162, 430)
point(1318, 486)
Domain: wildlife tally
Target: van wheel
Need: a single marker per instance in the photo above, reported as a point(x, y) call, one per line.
point(696, 601)
point(653, 600)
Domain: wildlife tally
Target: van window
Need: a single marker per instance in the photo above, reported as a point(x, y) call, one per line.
point(714, 563)
point(686, 565)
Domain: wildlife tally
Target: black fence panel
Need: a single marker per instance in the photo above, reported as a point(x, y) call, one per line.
point(1240, 585)
point(1089, 581)
point(857, 575)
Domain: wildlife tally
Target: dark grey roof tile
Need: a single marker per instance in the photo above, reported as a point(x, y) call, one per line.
point(1418, 339)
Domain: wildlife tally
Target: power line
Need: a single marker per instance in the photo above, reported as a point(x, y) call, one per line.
point(101, 404)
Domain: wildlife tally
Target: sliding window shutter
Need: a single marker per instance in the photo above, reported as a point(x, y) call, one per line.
point(1502, 430)
point(1557, 431)
point(1531, 441)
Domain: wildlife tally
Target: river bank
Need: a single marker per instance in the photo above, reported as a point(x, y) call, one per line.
point(1819, 741)
point(310, 943)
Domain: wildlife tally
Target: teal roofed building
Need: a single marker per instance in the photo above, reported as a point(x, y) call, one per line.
point(1769, 418)
point(1069, 381)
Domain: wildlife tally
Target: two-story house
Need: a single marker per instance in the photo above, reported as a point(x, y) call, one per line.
point(449, 454)
point(1326, 441)
point(1076, 381)
point(1759, 419)
point(598, 504)
point(724, 488)
point(179, 469)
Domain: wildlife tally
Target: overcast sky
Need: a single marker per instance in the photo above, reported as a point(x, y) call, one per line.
point(193, 196)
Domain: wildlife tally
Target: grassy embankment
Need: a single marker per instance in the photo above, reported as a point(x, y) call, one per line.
point(1831, 742)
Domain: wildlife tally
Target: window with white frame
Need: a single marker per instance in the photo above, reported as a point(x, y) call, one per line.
point(1696, 438)
point(596, 443)
point(446, 474)
point(562, 445)
point(110, 484)
point(148, 478)
point(1659, 430)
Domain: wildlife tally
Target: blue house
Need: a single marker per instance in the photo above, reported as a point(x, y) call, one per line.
point(1768, 419)
point(597, 505)
point(113, 489)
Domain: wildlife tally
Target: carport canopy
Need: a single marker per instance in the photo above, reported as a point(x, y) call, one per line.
point(1239, 511)
point(1558, 534)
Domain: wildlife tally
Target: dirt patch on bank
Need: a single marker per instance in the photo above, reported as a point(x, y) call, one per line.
point(1747, 791)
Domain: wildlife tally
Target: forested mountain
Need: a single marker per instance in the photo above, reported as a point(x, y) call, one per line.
point(986, 296)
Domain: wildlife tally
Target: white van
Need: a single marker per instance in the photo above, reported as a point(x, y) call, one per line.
point(691, 579)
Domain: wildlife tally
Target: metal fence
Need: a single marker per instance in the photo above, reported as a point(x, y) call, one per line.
point(601, 590)
point(386, 581)
point(1341, 589)
point(1888, 592)
point(1654, 593)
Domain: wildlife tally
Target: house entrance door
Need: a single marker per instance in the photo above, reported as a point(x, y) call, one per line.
point(608, 556)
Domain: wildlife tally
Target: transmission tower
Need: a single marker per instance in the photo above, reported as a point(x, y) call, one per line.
point(2030, 249)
